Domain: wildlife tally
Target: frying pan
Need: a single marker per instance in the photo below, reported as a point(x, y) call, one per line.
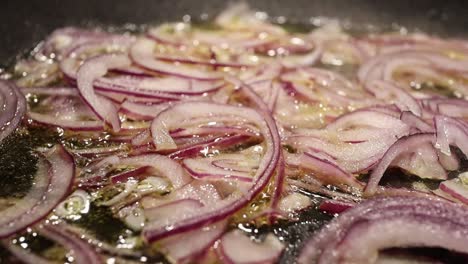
point(24, 23)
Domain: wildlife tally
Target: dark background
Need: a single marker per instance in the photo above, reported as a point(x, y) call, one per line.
point(25, 22)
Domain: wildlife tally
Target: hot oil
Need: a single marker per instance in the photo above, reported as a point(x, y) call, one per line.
point(18, 165)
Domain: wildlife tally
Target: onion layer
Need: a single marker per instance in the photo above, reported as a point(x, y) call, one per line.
point(13, 107)
point(53, 180)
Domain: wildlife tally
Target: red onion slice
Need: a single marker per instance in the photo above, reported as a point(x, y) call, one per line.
point(352, 157)
point(405, 145)
point(170, 87)
point(167, 214)
point(332, 206)
point(423, 161)
point(237, 248)
point(187, 247)
point(65, 110)
point(13, 107)
point(71, 91)
point(362, 244)
point(24, 255)
point(451, 131)
point(99, 151)
point(52, 182)
point(456, 189)
point(141, 111)
point(293, 202)
point(222, 167)
point(126, 175)
point(91, 70)
point(197, 149)
point(440, 219)
point(328, 171)
point(142, 54)
point(171, 118)
point(67, 124)
point(391, 93)
point(416, 122)
point(162, 165)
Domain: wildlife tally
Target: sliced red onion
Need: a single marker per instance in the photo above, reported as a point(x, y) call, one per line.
point(185, 247)
point(262, 73)
point(165, 121)
point(63, 40)
point(121, 88)
point(91, 70)
point(181, 35)
point(267, 127)
point(238, 248)
point(99, 151)
point(416, 122)
point(172, 212)
point(167, 88)
point(70, 91)
point(97, 171)
point(66, 111)
point(291, 45)
point(406, 192)
point(162, 165)
point(391, 93)
point(361, 243)
point(451, 131)
point(187, 147)
point(404, 146)
point(82, 251)
point(170, 33)
point(294, 202)
point(197, 149)
point(448, 107)
point(221, 130)
point(142, 54)
point(303, 59)
point(352, 157)
point(211, 62)
point(53, 181)
point(313, 84)
point(453, 108)
point(367, 117)
point(142, 112)
point(183, 204)
point(314, 186)
point(426, 63)
point(455, 188)
point(431, 223)
point(328, 171)
point(67, 124)
point(423, 161)
point(13, 107)
point(332, 206)
point(449, 163)
point(142, 138)
point(279, 186)
point(133, 173)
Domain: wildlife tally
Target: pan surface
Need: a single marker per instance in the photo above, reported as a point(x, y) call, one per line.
point(24, 23)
